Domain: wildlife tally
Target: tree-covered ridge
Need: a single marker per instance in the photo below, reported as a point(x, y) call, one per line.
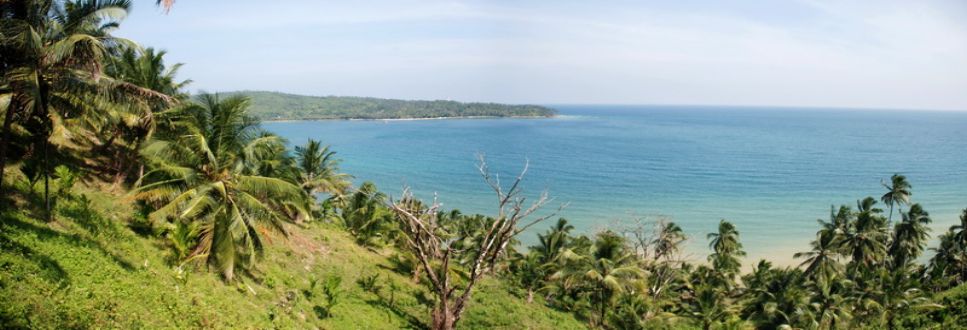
point(282, 106)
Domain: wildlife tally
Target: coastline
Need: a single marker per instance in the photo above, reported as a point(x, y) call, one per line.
point(408, 119)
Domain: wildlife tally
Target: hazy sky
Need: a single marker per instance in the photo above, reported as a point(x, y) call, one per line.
point(879, 54)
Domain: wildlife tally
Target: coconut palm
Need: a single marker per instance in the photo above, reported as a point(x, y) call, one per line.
point(897, 193)
point(319, 170)
point(948, 266)
point(910, 236)
point(125, 131)
point(553, 242)
point(205, 175)
point(708, 305)
point(822, 259)
point(669, 240)
point(900, 296)
point(775, 297)
point(365, 215)
point(726, 250)
point(830, 302)
point(55, 77)
point(866, 238)
point(609, 270)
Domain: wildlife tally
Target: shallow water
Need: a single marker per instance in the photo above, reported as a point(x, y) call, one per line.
point(772, 172)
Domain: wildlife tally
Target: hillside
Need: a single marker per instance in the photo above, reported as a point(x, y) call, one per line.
point(89, 269)
point(280, 106)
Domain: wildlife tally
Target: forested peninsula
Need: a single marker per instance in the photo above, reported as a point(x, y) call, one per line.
point(283, 106)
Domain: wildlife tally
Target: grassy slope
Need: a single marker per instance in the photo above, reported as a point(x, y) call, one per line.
point(88, 269)
point(281, 106)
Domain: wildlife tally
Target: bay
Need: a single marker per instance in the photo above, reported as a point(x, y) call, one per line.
point(771, 171)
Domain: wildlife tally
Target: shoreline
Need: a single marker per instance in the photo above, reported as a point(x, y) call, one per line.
point(408, 119)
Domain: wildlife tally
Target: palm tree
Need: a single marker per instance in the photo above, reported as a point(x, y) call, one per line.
point(959, 231)
point(867, 236)
point(910, 236)
point(608, 270)
point(775, 297)
point(830, 304)
point(669, 240)
point(553, 242)
point(726, 250)
point(205, 175)
point(897, 192)
point(365, 216)
point(59, 50)
point(131, 126)
point(900, 296)
point(709, 305)
point(822, 260)
point(319, 169)
point(948, 267)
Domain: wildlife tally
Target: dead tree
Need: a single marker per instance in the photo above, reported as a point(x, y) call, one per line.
point(431, 244)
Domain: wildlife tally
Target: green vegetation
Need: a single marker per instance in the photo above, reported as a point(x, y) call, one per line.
point(281, 106)
point(127, 204)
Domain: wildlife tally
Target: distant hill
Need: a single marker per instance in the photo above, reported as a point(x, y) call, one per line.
point(281, 106)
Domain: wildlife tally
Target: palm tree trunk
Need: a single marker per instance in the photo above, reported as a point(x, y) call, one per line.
point(602, 309)
point(47, 181)
point(5, 140)
point(44, 99)
point(890, 219)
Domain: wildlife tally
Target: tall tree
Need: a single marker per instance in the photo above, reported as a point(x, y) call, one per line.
point(910, 236)
point(59, 50)
point(822, 261)
point(897, 193)
point(365, 215)
point(867, 236)
point(205, 175)
point(610, 270)
point(726, 250)
point(125, 130)
point(319, 169)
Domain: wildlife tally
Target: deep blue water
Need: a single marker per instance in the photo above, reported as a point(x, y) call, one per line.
point(772, 172)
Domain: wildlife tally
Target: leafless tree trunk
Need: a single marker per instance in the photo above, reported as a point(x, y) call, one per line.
point(431, 245)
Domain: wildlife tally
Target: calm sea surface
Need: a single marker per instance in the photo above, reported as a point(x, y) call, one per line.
point(772, 172)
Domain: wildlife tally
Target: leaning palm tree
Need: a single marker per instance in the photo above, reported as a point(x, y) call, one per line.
point(897, 193)
point(204, 175)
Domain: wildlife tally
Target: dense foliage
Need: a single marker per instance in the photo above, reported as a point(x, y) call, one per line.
point(116, 186)
point(280, 106)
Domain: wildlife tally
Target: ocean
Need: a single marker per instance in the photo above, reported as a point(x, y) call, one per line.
point(771, 171)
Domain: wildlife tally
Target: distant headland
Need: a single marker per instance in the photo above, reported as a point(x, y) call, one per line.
point(274, 106)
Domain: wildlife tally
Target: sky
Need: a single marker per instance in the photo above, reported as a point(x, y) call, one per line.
point(801, 53)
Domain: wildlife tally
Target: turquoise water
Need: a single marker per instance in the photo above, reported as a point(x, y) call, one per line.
point(772, 172)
